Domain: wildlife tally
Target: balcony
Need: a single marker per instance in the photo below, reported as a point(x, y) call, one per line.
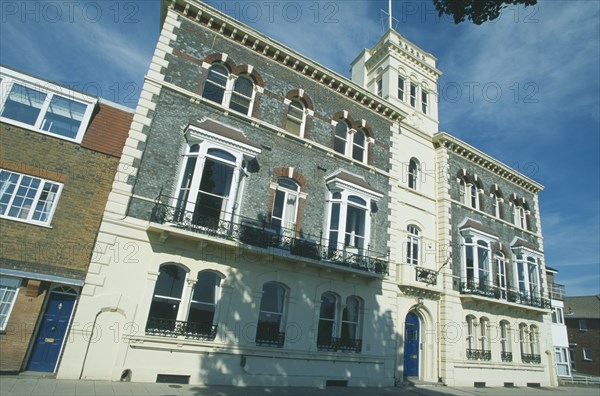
point(270, 340)
point(556, 291)
point(531, 358)
point(478, 354)
point(506, 356)
point(335, 344)
point(280, 241)
point(470, 287)
point(175, 328)
point(426, 276)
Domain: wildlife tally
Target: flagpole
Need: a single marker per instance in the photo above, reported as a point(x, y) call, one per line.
point(390, 13)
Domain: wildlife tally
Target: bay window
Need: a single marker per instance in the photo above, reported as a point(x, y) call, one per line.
point(528, 275)
point(9, 287)
point(212, 175)
point(476, 264)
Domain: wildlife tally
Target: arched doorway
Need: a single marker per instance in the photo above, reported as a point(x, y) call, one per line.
point(411, 345)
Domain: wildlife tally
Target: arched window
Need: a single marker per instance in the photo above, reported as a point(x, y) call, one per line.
point(191, 316)
point(413, 174)
point(296, 117)
point(359, 141)
point(350, 338)
point(413, 94)
point(327, 322)
point(474, 197)
point(505, 353)
point(242, 95)
point(424, 101)
point(412, 245)
point(495, 206)
point(341, 137)
point(401, 83)
point(270, 326)
point(216, 83)
point(285, 205)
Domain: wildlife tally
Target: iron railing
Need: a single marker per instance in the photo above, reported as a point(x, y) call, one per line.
point(261, 234)
point(506, 356)
point(556, 291)
point(531, 358)
point(272, 340)
point(479, 354)
point(426, 275)
point(506, 294)
point(175, 328)
point(335, 344)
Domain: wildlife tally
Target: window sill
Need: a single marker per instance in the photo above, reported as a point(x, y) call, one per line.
point(26, 222)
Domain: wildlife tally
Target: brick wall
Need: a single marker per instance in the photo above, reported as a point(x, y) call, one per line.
point(21, 325)
point(585, 339)
point(65, 248)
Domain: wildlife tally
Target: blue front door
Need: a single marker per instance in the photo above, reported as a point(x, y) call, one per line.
point(51, 333)
point(411, 345)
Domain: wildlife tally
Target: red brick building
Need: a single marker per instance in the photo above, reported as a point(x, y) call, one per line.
point(582, 316)
point(58, 156)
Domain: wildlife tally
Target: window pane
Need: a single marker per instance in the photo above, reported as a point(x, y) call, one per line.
point(170, 281)
point(327, 306)
point(355, 227)
point(63, 117)
point(216, 82)
point(341, 132)
point(45, 202)
point(221, 154)
point(23, 104)
point(216, 178)
point(8, 291)
point(205, 288)
point(288, 183)
point(8, 182)
point(242, 95)
point(24, 198)
point(273, 298)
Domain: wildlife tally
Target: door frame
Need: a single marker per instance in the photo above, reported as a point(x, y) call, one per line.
point(52, 289)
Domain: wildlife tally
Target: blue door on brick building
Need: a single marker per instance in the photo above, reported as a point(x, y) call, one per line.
point(411, 345)
point(53, 330)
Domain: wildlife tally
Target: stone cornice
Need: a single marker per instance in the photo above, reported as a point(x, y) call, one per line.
point(457, 146)
point(231, 29)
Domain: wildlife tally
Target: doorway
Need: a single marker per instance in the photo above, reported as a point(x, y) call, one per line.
point(53, 330)
point(411, 345)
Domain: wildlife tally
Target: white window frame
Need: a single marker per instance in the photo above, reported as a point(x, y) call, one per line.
point(587, 354)
point(229, 89)
point(522, 256)
point(523, 338)
point(349, 142)
point(470, 319)
point(504, 336)
point(501, 274)
point(346, 190)
point(424, 101)
point(413, 240)
point(335, 328)
point(557, 315)
point(561, 358)
point(583, 325)
point(357, 323)
point(302, 121)
point(11, 77)
point(484, 325)
point(413, 94)
point(287, 225)
point(413, 174)
point(496, 201)
point(36, 199)
point(533, 340)
point(477, 237)
point(282, 314)
point(401, 88)
point(8, 285)
point(379, 86)
point(206, 141)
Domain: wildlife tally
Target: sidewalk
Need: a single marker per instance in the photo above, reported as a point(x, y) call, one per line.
point(25, 385)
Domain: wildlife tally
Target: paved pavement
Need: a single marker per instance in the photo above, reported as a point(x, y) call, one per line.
point(23, 385)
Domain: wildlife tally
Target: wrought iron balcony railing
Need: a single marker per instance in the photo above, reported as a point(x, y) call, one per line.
point(506, 356)
point(426, 275)
point(272, 340)
point(556, 291)
point(335, 344)
point(511, 295)
point(175, 328)
point(478, 354)
point(261, 234)
point(531, 358)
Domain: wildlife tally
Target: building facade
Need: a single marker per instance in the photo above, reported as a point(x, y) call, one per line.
point(582, 317)
point(560, 339)
point(275, 223)
point(60, 150)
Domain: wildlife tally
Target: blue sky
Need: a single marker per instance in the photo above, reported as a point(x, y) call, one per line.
point(524, 89)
